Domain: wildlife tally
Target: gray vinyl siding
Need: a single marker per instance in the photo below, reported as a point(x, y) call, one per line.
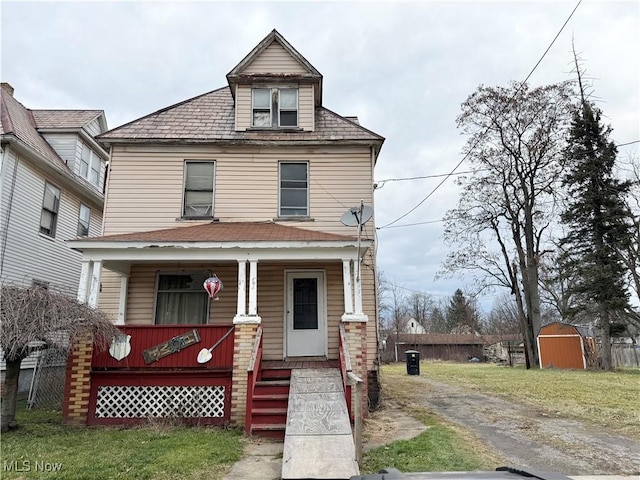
point(66, 146)
point(93, 128)
point(69, 147)
point(28, 254)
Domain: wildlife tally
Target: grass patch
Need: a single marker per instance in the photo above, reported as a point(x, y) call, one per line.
point(153, 452)
point(605, 399)
point(441, 448)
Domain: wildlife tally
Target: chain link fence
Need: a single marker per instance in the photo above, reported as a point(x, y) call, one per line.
point(47, 385)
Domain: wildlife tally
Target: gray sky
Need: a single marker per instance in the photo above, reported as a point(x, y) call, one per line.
point(403, 68)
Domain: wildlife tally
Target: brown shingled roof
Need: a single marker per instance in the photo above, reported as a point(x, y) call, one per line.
point(64, 118)
point(211, 118)
point(440, 339)
point(18, 121)
point(228, 232)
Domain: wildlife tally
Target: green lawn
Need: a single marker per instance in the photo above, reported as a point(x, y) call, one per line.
point(440, 448)
point(147, 452)
point(607, 399)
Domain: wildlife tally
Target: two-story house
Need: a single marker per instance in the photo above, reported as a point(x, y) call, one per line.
point(248, 182)
point(51, 190)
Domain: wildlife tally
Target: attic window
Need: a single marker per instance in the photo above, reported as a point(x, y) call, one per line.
point(274, 107)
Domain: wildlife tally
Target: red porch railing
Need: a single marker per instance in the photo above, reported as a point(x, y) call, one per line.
point(253, 374)
point(144, 337)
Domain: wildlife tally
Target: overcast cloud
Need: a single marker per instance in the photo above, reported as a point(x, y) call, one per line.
point(403, 68)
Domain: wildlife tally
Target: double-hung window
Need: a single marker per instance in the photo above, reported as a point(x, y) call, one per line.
point(90, 165)
point(181, 299)
point(199, 180)
point(50, 205)
point(274, 107)
point(294, 189)
point(84, 218)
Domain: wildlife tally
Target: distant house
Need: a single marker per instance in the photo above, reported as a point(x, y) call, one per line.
point(52, 174)
point(452, 347)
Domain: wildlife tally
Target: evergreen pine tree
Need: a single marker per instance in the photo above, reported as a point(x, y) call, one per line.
point(598, 222)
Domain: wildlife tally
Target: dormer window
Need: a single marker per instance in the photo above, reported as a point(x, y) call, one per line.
point(274, 107)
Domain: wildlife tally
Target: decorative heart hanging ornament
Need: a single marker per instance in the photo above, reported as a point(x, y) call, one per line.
point(213, 285)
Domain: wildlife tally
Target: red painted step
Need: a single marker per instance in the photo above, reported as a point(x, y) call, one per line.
point(270, 403)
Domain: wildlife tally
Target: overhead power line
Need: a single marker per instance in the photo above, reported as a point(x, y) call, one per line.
point(486, 129)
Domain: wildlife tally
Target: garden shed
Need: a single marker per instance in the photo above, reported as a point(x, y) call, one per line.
point(565, 346)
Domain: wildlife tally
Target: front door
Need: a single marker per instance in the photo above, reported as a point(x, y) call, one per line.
point(306, 315)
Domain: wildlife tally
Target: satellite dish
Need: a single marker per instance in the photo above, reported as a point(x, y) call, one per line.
point(357, 216)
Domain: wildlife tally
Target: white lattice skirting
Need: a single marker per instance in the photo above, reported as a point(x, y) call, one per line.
point(160, 401)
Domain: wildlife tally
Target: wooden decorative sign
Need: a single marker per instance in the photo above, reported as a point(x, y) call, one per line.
point(174, 345)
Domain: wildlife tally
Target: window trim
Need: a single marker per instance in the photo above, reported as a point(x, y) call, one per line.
point(184, 274)
point(80, 220)
point(183, 214)
point(94, 159)
point(297, 109)
point(274, 107)
point(54, 222)
point(308, 208)
point(253, 107)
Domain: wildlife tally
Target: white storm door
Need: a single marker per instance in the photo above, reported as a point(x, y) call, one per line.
point(306, 315)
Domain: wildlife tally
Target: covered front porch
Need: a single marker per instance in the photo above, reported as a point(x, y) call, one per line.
point(297, 291)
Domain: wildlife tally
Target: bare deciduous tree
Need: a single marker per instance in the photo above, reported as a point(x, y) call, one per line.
point(516, 137)
point(36, 318)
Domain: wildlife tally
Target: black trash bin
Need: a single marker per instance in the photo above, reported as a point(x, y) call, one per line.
point(413, 362)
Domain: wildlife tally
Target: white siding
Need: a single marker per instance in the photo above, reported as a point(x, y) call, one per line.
point(28, 254)
point(275, 59)
point(65, 145)
point(93, 127)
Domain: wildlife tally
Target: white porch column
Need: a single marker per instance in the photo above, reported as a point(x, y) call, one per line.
point(253, 288)
point(346, 278)
point(94, 291)
point(357, 294)
point(122, 305)
point(83, 286)
point(241, 310)
point(251, 317)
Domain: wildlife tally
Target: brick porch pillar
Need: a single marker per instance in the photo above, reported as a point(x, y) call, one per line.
point(356, 336)
point(244, 339)
point(78, 383)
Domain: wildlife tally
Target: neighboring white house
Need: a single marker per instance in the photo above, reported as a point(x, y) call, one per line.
point(414, 327)
point(52, 173)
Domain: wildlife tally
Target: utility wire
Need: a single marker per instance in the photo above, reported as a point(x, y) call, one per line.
point(380, 183)
point(487, 129)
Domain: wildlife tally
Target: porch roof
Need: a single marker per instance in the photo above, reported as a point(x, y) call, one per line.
point(222, 241)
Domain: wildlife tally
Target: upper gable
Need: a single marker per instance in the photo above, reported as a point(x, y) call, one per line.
point(274, 60)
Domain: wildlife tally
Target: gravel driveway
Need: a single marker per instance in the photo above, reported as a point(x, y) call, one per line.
point(530, 438)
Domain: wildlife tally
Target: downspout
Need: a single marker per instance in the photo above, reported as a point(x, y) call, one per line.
point(105, 187)
point(5, 226)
